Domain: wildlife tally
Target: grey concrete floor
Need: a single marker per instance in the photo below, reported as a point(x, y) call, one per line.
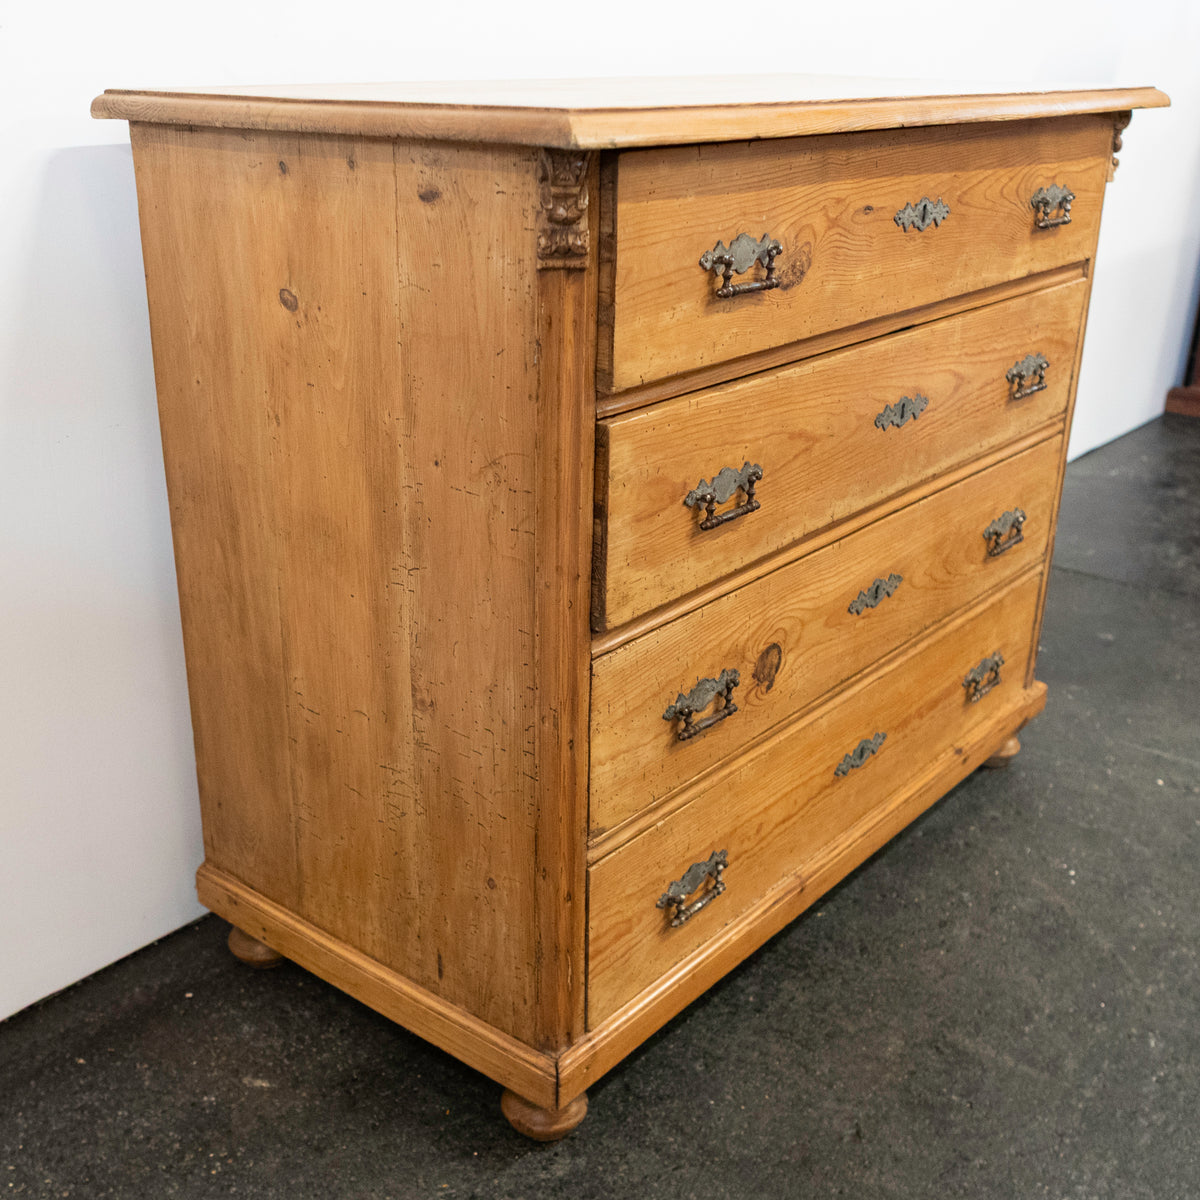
point(1002, 1003)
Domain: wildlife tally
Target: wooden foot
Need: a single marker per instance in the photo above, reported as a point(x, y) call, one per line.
point(1184, 400)
point(251, 951)
point(542, 1124)
point(1005, 754)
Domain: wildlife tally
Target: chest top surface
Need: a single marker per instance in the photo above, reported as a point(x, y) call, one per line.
point(590, 114)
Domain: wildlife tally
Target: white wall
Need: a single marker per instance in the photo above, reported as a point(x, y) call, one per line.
point(98, 829)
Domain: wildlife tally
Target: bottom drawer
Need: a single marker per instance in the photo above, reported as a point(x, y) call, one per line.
point(772, 811)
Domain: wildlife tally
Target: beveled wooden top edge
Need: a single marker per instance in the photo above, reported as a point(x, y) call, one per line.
point(627, 129)
point(602, 126)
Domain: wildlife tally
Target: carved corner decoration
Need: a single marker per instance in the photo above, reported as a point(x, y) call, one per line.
point(680, 889)
point(921, 215)
point(1006, 531)
point(724, 484)
point(860, 754)
point(737, 258)
point(1054, 198)
point(980, 680)
point(879, 591)
point(1027, 376)
point(1120, 124)
point(908, 408)
point(563, 239)
point(698, 699)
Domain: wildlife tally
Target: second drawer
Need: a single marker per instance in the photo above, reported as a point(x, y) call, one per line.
point(832, 436)
point(796, 633)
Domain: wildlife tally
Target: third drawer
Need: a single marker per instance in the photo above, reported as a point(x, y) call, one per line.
point(833, 436)
point(798, 632)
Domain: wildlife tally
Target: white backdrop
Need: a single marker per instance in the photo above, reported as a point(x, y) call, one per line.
point(99, 834)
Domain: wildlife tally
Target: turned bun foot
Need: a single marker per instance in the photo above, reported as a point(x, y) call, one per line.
point(251, 951)
point(1005, 754)
point(542, 1124)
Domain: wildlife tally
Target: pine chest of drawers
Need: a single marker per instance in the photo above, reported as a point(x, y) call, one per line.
point(600, 525)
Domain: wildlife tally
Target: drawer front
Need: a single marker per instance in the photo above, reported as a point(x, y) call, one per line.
point(776, 809)
point(832, 436)
point(804, 629)
point(847, 213)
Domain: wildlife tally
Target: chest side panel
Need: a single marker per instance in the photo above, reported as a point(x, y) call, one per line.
point(346, 355)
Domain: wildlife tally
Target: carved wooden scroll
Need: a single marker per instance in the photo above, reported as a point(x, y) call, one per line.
point(562, 230)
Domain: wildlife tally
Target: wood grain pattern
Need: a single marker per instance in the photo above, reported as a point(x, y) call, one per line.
point(777, 808)
point(812, 428)
point(791, 635)
point(599, 113)
point(831, 202)
point(345, 474)
point(617, 1036)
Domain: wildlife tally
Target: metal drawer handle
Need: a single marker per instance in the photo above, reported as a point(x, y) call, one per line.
point(698, 699)
point(1027, 376)
point(724, 484)
point(876, 594)
point(1054, 198)
point(675, 897)
point(737, 258)
point(981, 679)
point(921, 215)
point(1005, 532)
point(860, 754)
point(908, 408)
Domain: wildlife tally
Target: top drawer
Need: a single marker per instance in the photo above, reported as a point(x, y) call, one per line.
point(837, 207)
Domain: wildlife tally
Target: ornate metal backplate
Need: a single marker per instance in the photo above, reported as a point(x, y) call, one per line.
point(907, 408)
point(879, 591)
point(1005, 532)
point(860, 754)
point(1054, 198)
point(562, 236)
point(981, 679)
point(724, 483)
point(737, 258)
point(1027, 376)
point(698, 699)
point(675, 897)
point(921, 215)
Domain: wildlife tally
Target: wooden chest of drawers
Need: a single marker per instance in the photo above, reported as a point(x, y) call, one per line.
point(600, 525)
